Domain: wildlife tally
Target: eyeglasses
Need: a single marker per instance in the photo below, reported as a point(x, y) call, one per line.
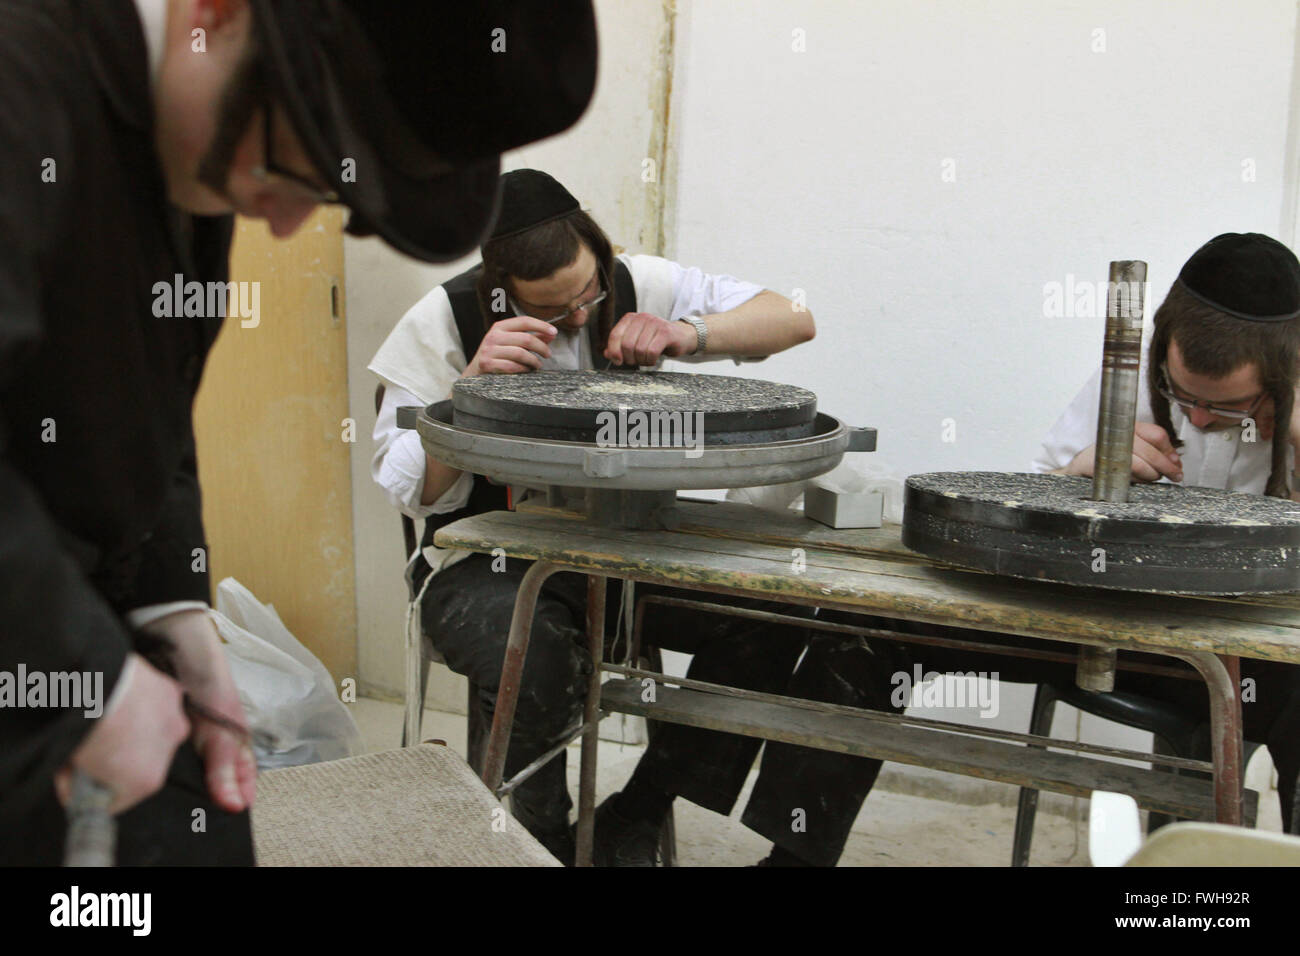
point(271, 172)
point(1165, 388)
point(572, 310)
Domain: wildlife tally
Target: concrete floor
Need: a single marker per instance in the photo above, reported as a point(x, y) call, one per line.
point(894, 829)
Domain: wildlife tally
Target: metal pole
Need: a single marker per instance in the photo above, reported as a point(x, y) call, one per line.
point(1222, 675)
point(512, 669)
point(1112, 470)
point(1120, 360)
point(591, 721)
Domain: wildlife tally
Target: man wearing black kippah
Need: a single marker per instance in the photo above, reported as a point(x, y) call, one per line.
point(1221, 374)
point(551, 294)
point(1219, 411)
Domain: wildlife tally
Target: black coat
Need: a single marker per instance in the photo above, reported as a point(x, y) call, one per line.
point(105, 517)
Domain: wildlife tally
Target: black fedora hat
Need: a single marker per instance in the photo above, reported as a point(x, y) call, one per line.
point(405, 106)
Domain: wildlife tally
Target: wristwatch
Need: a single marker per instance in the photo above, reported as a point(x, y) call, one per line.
point(701, 332)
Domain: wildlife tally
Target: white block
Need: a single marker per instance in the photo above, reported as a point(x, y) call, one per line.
point(843, 509)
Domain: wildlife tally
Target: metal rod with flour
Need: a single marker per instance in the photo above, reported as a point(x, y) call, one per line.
point(1112, 471)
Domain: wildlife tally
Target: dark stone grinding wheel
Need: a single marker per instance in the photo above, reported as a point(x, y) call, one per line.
point(575, 406)
point(1166, 538)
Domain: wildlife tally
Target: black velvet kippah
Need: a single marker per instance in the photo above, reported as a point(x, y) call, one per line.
point(530, 197)
point(1248, 275)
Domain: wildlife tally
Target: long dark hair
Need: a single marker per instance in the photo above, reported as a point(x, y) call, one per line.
point(538, 253)
point(1215, 344)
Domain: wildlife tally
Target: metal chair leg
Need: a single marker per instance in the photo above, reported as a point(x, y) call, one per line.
point(417, 677)
point(654, 660)
point(1040, 724)
point(476, 731)
point(1164, 748)
point(1294, 827)
point(668, 840)
point(584, 838)
point(521, 627)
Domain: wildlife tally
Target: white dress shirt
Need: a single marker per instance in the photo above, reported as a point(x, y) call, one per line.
point(1211, 459)
point(422, 358)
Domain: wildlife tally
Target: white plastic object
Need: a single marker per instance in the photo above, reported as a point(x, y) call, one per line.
point(1114, 828)
point(286, 691)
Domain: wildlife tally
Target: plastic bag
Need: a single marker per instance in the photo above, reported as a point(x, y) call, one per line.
point(286, 691)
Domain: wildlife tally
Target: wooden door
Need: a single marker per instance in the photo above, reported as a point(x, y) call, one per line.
point(273, 443)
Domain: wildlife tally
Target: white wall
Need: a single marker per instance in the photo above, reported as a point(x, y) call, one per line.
point(822, 170)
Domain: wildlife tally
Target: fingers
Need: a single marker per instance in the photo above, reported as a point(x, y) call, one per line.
point(1143, 470)
point(1155, 436)
point(510, 360)
point(639, 338)
point(614, 344)
point(633, 345)
point(524, 323)
point(130, 749)
point(539, 344)
point(231, 768)
point(1154, 456)
point(515, 345)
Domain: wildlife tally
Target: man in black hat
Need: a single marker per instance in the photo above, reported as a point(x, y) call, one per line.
point(551, 294)
point(129, 131)
point(1220, 410)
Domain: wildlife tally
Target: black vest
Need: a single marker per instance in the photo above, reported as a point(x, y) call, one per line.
point(463, 294)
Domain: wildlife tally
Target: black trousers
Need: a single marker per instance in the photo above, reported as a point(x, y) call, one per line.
point(164, 830)
point(466, 615)
point(829, 788)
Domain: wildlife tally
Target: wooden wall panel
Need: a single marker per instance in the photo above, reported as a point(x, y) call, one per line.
point(273, 459)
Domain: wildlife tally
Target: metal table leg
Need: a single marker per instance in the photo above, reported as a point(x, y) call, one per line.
point(1222, 679)
point(521, 627)
point(591, 720)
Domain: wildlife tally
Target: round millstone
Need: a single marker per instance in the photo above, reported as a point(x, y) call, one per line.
point(1166, 538)
point(590, 406)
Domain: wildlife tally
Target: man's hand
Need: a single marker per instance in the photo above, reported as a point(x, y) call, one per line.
point(640, 338)
point(511, 346)
point(205, 675)
point(131, 748)
point(1153, 456)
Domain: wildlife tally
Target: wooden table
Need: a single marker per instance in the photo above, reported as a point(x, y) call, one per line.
point(737, 550)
